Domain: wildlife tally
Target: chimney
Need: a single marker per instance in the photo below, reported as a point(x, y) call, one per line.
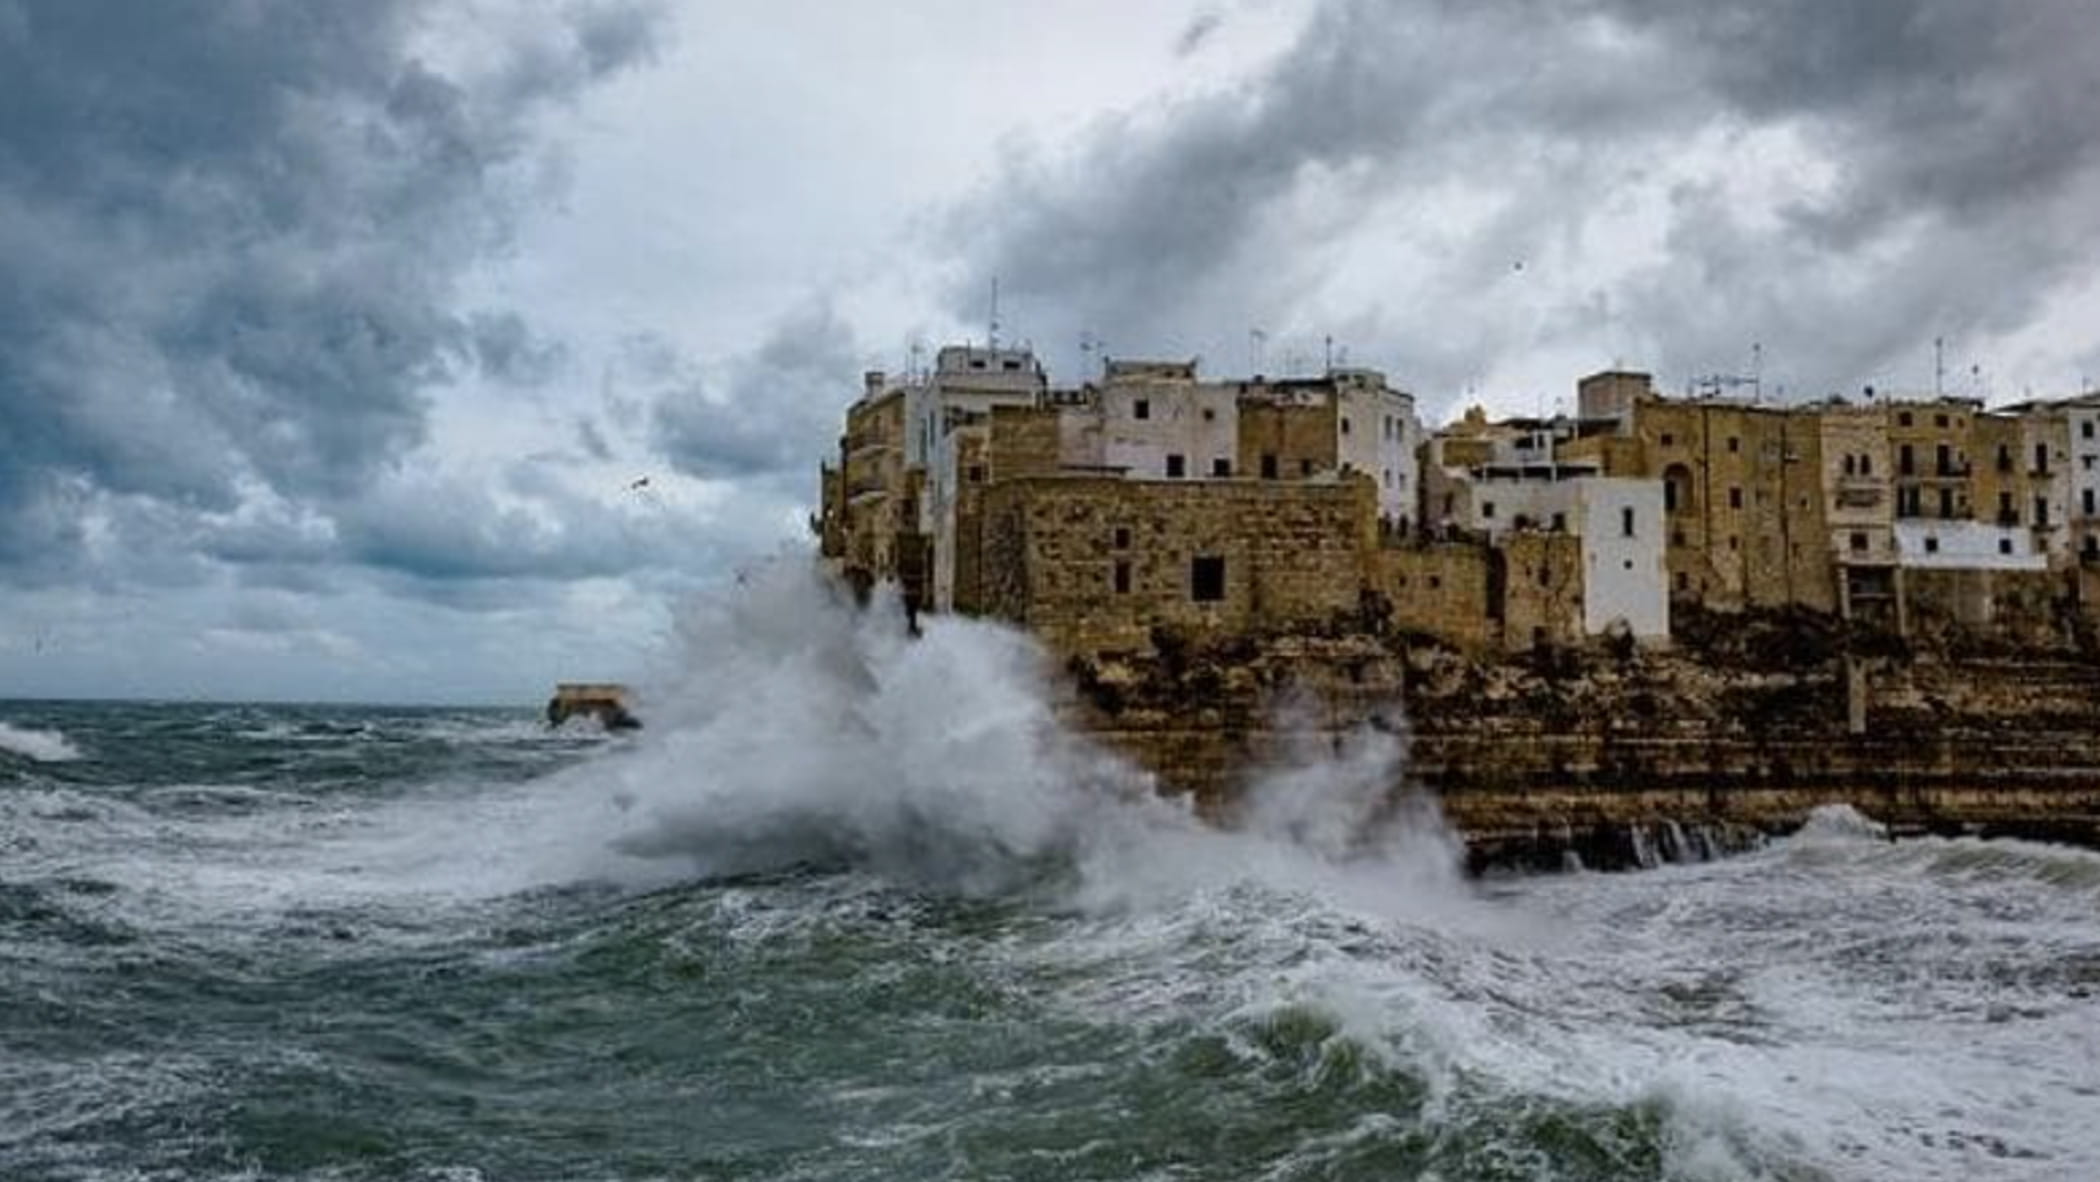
point(873, 381)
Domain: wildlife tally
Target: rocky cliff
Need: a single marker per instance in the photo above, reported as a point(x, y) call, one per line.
point(1620, 755)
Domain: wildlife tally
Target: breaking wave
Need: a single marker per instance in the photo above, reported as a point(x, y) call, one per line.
point(43, 746)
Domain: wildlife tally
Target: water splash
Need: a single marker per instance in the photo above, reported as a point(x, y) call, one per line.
point(42, 746)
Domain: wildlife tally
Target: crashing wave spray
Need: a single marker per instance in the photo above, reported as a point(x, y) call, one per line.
point(802, 731)
point(39, 745)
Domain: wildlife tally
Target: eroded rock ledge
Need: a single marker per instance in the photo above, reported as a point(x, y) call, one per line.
point(1619, 756)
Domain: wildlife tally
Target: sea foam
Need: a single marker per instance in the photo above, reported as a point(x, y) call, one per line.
point(43, 746)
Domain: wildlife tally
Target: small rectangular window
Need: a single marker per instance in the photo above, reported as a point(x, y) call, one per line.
point(1932, 545)
point(1345, 425)
point(2004, 545)
point(1268, 465)
point(976, 474)
point(2041, 512)
point(1735, 498)
point(1122, 537)
point(1206, 578)
point(1669, 440)
point(1626, 521)
point(1141, 408)
point(1305, 467)
point(1487, 510)
point(1221, 467)
point(1734, 444)
point(2086, 428)
point(2086, 499)
point(1903, 419)
point(1123, 578)
point(1859, 542)
point(1177, 467)
point(1940, 421)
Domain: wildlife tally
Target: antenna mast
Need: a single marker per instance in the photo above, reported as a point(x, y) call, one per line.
point(991, 338)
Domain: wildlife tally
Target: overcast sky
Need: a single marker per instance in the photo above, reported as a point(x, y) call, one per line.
point(337, 339)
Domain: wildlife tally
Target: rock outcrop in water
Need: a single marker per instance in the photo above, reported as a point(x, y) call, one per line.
point(1621, 755)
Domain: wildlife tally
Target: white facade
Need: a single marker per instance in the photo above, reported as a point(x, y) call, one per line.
point(1623, 575)
point(1379, 436)
point(1620, 523)
point(1966, 545)
point(1170, 429)
point(2084, 509)
point(965, 378)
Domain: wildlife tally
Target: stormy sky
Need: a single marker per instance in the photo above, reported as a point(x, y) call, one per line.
point(433, 350)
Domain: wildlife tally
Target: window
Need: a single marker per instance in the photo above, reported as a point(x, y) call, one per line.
point(1903, 419)
point(1906, 463)
point(1947, 503)
point(1122, 537)
point(2041, 459)
point(1305, 467)
point(1206, 578)
point(2086, 428)
point(2005, 463)
point(1940, 421)
point(1560, 523)
point(1210, 415)
point(1435, 581)
point(1389, 478)
point(1141, 408)
point(1943, 458)
point(2041, 512)
point(1735, 498)
point(1677, 537)
point(1123, 577)
point(1627, 564)
point(1487, 510)
point(1268, 465)
point(1866, 465)
point(1859, 542)
point(976, 474)
point(1734, 444)
point(1734, 544)
point(1932, 544)
point(1851, 466)
point(2004, 545)
point(1684, 581)
point(1545, 576)
point(1177, 466)
point(1221, 467)
point(976, 363)
point(2086, 500)
point(1626, 521)
point(1013, 365)
point(1345, 424)
point(1669, 440)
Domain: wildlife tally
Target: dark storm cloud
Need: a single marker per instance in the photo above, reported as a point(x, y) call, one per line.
point(778, 411)
point(232, 234)
point(1959, 135)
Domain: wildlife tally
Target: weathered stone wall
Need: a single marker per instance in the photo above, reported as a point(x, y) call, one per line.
point(1542, 590)
point(1437, 589)
point(1096, 564)
point(1293, 439)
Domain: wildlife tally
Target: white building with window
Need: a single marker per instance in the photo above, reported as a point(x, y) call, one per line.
point(1621, 526)
point(1933, 544)
point(1379, 436)
point(1157, 421)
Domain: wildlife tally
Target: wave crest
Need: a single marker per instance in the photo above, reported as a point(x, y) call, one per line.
point(42, 746)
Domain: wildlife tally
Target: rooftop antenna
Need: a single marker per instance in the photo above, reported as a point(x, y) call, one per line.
point(991, 338)
point(1256, 340)
point(1939, 368)
point(1757, 372)
point(1328, 340)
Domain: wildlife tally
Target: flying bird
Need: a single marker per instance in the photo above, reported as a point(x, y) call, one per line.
point(641, 483)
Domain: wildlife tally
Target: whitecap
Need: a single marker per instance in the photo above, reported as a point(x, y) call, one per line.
point(43, 746)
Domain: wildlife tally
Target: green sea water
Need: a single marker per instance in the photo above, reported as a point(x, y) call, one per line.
point(853, 907)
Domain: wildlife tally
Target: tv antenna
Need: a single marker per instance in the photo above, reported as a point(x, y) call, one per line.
point(991, 336)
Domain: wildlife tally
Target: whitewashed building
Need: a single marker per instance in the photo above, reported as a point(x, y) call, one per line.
point(1380, 436)
point(1620, 523)
point(1933, 544)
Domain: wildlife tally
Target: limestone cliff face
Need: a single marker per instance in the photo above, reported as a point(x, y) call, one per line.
point(1599, 753)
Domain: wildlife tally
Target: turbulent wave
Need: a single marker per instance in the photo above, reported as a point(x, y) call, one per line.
point(854, 904)
point(43, 746)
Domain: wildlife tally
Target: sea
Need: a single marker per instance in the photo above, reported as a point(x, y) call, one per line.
point(854, 905)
